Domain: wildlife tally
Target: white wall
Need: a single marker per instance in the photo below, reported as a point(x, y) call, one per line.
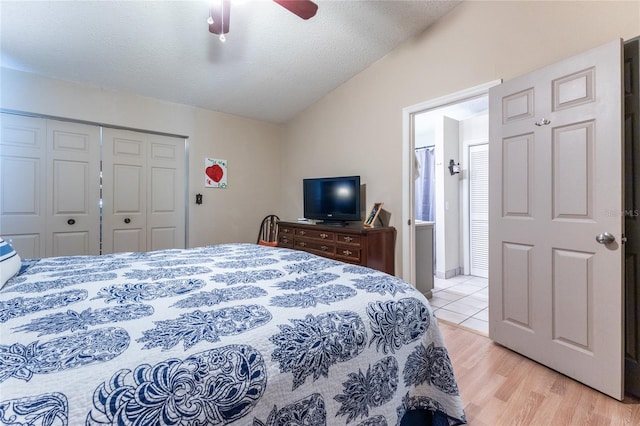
point(473, 130)
point(357, 128)
point(251, 148)
point(447, 226)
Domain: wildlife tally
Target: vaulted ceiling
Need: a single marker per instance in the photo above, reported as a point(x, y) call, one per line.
point(271, 66)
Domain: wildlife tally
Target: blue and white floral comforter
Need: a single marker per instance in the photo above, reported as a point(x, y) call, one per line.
point(229, 334)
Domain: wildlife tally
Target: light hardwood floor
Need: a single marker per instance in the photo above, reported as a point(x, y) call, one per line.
point(500, 387)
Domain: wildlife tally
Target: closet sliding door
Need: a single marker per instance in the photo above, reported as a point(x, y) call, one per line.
point(57, 199)
point(49, 174)
point(23, 168)
point(124, 191)
point(142, 192)
point(73, 189)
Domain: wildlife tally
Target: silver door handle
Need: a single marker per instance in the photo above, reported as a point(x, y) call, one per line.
point(605, 238)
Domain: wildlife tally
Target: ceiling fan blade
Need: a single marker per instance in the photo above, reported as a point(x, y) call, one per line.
point(220, 14)
point(303, 8)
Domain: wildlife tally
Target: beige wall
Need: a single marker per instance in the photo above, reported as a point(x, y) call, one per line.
point(357, 128)
point(251, 148)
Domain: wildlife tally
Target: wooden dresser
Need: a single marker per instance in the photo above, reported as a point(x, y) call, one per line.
point(371, 247)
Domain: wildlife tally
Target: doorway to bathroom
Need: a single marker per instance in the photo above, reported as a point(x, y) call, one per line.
point(447, 190)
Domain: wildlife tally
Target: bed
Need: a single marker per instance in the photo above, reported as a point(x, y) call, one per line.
point(237, 334)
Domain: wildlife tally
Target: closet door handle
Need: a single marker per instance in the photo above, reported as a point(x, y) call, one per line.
point(71, 222)
point(127, 220)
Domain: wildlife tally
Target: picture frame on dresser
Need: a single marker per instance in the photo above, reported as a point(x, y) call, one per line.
point(373, 215)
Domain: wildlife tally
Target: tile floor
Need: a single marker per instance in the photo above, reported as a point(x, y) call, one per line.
point(462, 300)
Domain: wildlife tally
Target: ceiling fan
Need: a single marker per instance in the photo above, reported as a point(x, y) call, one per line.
point(219, 13)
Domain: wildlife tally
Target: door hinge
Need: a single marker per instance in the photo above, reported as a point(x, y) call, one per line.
point(623, 239)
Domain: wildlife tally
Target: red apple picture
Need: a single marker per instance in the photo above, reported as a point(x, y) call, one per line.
point(215, 171)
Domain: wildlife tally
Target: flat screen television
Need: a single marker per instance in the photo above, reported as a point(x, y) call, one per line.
point(332, 199)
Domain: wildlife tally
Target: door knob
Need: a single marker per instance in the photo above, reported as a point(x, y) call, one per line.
point(71, 221)
point(127, 220)
point(605, 238)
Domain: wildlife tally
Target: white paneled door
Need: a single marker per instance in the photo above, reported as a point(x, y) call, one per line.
point(143, 192)
point(22, 195)
point(555, 217)
point(124, 191)
point(50, 186)
point(73, 189)
point(166, 211)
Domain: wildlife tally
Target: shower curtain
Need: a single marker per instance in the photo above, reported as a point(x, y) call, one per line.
point(425, 189)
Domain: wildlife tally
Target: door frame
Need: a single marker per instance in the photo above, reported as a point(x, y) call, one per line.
point(408, 168)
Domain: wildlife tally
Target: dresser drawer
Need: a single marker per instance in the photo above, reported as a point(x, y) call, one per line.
point(348, 239)
point(348, 253)
point(285, 230)
point(317, 246)
point(315, 234)
point(285, 240)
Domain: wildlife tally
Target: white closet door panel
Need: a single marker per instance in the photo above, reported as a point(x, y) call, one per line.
point(124, 186)
point(71, 243)
point(73, 189)
point(479, 209)
point(166, 193)
point(128, 184)
point(22, 195)
point(28, 246)
point(131, 239)
point(21, 188)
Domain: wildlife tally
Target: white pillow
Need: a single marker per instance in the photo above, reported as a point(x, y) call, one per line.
point(9, 262)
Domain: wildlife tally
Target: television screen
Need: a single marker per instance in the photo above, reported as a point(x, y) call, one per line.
point(332, 198)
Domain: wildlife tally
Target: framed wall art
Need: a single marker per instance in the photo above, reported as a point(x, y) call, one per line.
point(215, 173)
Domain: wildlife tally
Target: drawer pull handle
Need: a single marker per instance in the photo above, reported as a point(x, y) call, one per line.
point(285, 230)
point(324, 248)
point(302, 232)
point(323, 235)
point(347, 252)
point(348, 239)
point(303, 244)
point(71, 222)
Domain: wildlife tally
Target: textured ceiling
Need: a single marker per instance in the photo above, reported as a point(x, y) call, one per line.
point(272, 66)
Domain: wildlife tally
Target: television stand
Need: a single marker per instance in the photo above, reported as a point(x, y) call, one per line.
point(371, 247)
